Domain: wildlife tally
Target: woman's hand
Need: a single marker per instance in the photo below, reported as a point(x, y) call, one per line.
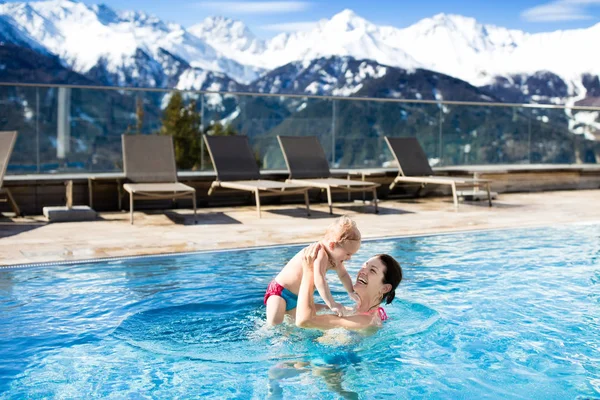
point(338, 309)
point(354, 296)
point(310, 255)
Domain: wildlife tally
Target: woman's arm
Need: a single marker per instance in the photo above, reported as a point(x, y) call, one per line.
point(305, 308)
point(320, 265)
point(306, 316)
point(331, 321)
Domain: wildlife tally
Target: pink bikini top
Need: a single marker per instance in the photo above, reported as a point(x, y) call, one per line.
point(379, 310)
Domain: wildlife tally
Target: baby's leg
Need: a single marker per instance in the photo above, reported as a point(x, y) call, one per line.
point(275, 310)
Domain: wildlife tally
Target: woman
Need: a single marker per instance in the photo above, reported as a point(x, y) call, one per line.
point(375, 282)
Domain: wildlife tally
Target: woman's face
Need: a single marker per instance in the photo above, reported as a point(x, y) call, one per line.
point(369, 280)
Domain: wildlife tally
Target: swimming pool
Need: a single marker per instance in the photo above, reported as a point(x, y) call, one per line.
point(500, 314)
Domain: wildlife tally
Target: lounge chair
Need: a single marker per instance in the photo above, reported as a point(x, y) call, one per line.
point(236, 169)
point(7, 142)
point(307, 165)
point(149, 164)
point(414, 167)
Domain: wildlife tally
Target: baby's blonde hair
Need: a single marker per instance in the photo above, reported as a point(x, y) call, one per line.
point(342, 230)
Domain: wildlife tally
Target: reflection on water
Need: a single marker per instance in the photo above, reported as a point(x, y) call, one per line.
point(331, 373)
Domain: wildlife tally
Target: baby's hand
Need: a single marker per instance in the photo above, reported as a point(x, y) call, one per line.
point(356, 298)
point(339, 309)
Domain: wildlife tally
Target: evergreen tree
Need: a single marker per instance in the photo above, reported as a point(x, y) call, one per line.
point(182, 122)
point(139, 118)
point(139, 114)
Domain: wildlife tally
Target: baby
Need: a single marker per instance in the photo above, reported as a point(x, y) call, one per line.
point(341, 241)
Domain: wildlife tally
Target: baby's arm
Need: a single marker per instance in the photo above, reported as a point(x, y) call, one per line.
point(320, 268)
point(345, 278)
point(347, 282)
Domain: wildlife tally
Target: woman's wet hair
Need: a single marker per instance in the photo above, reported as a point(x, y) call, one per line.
point(392, 275)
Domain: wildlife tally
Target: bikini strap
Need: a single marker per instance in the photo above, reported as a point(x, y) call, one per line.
point(382, 313)
point(379, 310)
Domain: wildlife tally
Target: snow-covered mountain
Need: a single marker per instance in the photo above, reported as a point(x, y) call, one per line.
point(88, 37)
point(346, 76)
point(230, 37)
point(451, 44)
point(337, 76)
point(135, 49)
point(345, 34)
point(476, 53)
point(12, 33)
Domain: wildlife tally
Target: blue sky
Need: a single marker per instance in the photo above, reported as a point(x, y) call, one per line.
point(267, 18)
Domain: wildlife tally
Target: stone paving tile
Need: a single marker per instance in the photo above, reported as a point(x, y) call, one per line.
point(32, 240)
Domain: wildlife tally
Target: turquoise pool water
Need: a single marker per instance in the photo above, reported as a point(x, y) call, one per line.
point(503, 314)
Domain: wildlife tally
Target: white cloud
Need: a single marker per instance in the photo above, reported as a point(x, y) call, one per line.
point(255, 7)
point(291, 26)
point(559, 10)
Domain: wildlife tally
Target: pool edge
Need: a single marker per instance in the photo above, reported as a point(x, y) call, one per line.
point(274, 246)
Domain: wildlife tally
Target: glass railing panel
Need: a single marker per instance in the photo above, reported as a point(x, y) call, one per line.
point(262, 118)
point(585, 126)
point(97, 120)
point(78, 129)
point(553, 136)
point(483, 135)
point(587, 150)
point(19, 112)
point(362, 125)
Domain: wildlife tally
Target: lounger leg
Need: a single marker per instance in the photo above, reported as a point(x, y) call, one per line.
point(329, 201)
point(120, 194)
point(421, 187)
point(257, 198)
point(349, 196)
point(454, 196)
point(393, 185)
point(90, 193)
point(307, 203)
point(131, 208)
point(194, 204)
point(489, 192)
point(364, 193)
point(375, 200)
point(13, 203)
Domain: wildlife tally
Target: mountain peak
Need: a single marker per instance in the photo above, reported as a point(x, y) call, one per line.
point(221, 32)
point(452, 18)
point(347, 20)
point(222, 26)
point(346, 14)
point(448, 21)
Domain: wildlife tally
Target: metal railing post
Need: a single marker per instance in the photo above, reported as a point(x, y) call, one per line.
point(529, 137)
point(440, 137)
point(201, 132)
point(333, 118)
point(37, 130)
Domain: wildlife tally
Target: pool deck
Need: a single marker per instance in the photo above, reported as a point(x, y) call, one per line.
point(32, 240)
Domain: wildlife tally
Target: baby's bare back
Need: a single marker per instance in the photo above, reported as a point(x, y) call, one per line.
point(291, 275)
